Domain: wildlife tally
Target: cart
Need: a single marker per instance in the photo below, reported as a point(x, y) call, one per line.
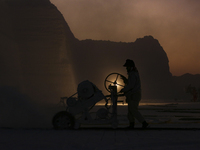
point(80, 104)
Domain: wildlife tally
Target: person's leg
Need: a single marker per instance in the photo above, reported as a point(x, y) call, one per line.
point(129, 115)
point(130, 118)
point(133, 111)
point(133, 107)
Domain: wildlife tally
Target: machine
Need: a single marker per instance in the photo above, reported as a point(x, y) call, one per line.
point(79, 105)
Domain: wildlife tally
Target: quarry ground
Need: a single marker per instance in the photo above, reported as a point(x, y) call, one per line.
point(172, 126)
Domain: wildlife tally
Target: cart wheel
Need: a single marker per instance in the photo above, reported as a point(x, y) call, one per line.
point(63, 120)
point(114, 79)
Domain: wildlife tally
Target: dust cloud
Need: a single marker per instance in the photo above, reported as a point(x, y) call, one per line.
point(175, 23)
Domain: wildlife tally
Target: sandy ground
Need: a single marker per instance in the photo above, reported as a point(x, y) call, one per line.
point(173, 126)
point(164, 115)
point(99, 139)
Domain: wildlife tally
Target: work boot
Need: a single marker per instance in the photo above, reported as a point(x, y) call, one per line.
point(145, 125)
point(131, 126)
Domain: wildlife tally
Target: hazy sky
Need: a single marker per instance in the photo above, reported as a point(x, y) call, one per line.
point(175, 23)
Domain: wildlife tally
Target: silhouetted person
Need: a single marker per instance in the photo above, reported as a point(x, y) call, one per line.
point(132, 91)
point(193, 91)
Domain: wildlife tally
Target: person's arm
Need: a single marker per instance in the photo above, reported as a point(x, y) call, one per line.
point(131, 83)
point(125, 80)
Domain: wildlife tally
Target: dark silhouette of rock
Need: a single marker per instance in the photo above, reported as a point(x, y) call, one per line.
point(182, 82)
point(43, 59)
point(103, 57)
point(28, 2)
point(35, 44)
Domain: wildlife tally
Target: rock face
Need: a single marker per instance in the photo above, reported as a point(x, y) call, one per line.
point(41, 58)
point(182, 82)
point(41, 61)
point(35, 47)
point(104, 57)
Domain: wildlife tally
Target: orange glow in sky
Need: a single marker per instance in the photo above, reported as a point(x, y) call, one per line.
point(174, 23)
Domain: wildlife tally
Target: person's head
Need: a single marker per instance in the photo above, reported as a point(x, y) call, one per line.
point(130, 65)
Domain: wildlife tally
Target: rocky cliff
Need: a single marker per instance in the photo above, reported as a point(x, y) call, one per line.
point(41, 61)
point(41, 57)
point(35, 49)
point(97, 59)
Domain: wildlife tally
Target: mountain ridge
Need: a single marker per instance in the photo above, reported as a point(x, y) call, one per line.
point(41, 38)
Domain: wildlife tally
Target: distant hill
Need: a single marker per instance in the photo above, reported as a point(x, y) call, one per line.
point(96, 59)
point(42, 58)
